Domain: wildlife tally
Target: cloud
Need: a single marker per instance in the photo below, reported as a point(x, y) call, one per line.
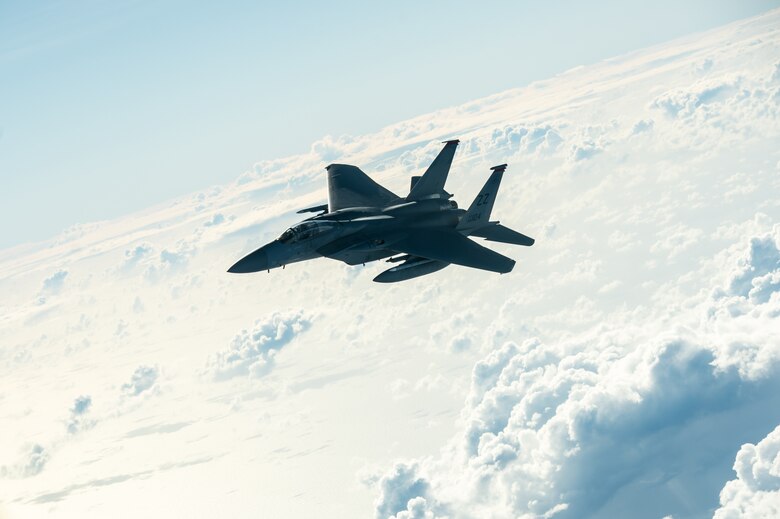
point(676, 239)
point(621, 241)
point(642, 126)
point(53, 284)
point(585, 150)
point(37, 455)
point(78, 419)
point(253, 351)
point(170, 260)
point(589, 141)
point(34, 459)
point(217, 219)
point(718, 112)
point(683, 102)
point(458, 332)
point(329, 149)
point(143, 380)
point(530, 139)
point(137, 253)
point(609, 287)
point(755, 276)
point(640, 408)
point(704, 66)
point(37, 458)
point(756, 491)
point(417, 508)
point(402, 493)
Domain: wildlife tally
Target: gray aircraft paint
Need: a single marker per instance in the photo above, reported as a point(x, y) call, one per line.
point(424, 232)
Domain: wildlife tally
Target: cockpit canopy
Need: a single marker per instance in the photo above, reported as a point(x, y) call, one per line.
point(304, 231)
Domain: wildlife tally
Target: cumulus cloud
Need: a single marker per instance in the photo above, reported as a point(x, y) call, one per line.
point(718, 111)
point(53, 284)
point(170, 259)
point(34, 459)
point(674, 240)
point(683, 102)
point(79, 419)
point(756, 491)
point(253, 352)
point(642, 126)
point(329, 148)
point(143, 380)
point(704, 66)
point(530, 139)
point(217, 219)
point(137, 253)
point(630, 406)
point(755, 276)
point(403, 494)
point(417, 508)
point(457, 333)
point(585, 150)
point(37, 458)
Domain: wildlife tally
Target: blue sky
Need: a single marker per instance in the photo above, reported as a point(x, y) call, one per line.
point(108, 107)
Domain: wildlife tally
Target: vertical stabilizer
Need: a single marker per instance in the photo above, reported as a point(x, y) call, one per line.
point(431, 184)
point(348, 186)
point(478, 213)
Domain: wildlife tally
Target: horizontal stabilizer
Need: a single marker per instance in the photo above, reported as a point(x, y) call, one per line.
point(348, 186)
point(499, 233)
point(316, 209)
point(433, 180)
point(451, 247)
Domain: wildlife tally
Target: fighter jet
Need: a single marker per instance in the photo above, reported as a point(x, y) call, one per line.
point(420, 233)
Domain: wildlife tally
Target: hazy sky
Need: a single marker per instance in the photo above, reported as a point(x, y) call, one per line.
point(108, 107)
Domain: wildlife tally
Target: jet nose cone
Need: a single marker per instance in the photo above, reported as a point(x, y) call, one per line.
point(254, 262)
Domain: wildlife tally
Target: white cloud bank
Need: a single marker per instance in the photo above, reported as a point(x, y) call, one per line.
point(626, 414)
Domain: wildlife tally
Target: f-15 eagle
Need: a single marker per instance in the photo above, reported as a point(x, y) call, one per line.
point(423, 232)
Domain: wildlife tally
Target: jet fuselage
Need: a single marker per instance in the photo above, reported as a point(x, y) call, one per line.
point(356, 235)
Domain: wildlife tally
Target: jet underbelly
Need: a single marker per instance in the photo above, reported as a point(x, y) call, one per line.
point(355, 249)
point(357, 257)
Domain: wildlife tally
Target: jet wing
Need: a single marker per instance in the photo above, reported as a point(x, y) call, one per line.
point(322, 209)
point(451, 247)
